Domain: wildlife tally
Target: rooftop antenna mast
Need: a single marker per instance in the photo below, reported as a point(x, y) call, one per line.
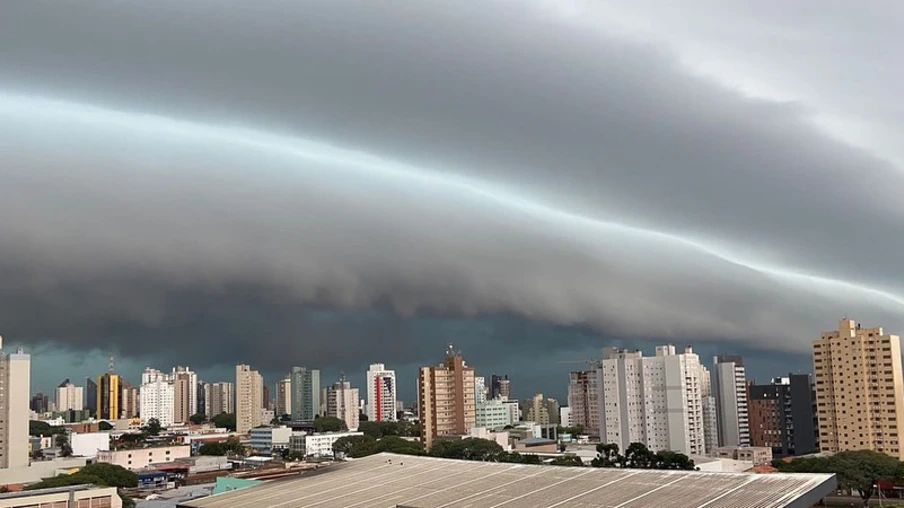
point(111, 362)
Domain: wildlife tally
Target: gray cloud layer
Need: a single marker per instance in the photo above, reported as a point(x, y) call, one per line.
point(467, 159)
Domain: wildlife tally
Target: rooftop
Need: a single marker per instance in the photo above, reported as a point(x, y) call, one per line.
point(387, 480)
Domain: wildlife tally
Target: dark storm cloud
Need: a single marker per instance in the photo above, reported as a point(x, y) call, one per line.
point(465, 159)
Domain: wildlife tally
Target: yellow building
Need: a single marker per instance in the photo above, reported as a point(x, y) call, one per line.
point(446, 396)
point(108, 396)
point(859, 390)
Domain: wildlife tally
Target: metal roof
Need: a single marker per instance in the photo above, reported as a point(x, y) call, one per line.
point(393, 481)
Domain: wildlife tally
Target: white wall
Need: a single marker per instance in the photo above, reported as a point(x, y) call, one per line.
point(87, 444)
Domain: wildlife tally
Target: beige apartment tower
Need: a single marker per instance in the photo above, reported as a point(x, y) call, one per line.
point(249, 398)
point(15, 377)
point(446, 398)
point(859, 391)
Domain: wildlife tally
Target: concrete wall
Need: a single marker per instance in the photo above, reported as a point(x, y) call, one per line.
point(38, 470)
point(87, 445)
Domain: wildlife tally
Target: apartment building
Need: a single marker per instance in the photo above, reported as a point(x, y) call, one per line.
point(249, 394)
point(15, 380)
point(381, 393)
point(729, 387)
point(446, 398)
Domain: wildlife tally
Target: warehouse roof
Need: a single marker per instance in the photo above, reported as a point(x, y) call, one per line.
point(395, 481)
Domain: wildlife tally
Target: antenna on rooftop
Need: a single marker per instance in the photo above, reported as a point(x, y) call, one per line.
point(111, 362)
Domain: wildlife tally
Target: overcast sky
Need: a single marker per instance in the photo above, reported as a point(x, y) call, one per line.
point(334, 183)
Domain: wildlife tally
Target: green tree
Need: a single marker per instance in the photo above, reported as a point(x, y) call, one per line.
point(329, 424)
point(98, 474)
point(231, 446)
point(607, 456)
point(855, 471)
point(355, 446)
point(575, 430)
point(43, 429)
point(153, 427)
point(471, 448)
point(104, 426)
point(673, 460)
point(396, 444)
point(65, 447)
point(285, 418)
point(197, 418)
point(567, 460)
point(638, 456)
point(224, 420)
point(529, 458)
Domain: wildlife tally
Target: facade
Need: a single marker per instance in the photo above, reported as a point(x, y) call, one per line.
point(283, 404)
point(249, 395)
point(758, 455)
point(500, 387)
point(63, 497)
point(541, 410)
point(493, 414)
point(480, 390)
point(781, 416)
point(15, 380)
point(859, 390)
point(108, 396)
point(306, 394)
point(140, 458)
point(219, 398)
point(40, 403)
point(88, 444)
point(381, 394)
point(710, 421)
point(342, 403)
point(321, 444)
point(446, 398)
point(565, 416)
point(69, 397)
point(91, 396)
point(729, 387)
point(185, 394)
point(267, 439)
point(131, 401)
point(583, 399)
point(157, 395)
point(656, 400)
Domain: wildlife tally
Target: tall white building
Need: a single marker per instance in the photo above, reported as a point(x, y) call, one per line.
point(494, 414)
point(342, 403)
point(249, 398)
point(656, 400)
point(710, 423)
point(219, 398)
point(480, 390)
point(729, 387)
point(381, 393)
point(157, 396)
point(70, 397)
point(15, 386)
point(583, 399)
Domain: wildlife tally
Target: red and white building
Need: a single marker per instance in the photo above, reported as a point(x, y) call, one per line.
point(381, 394)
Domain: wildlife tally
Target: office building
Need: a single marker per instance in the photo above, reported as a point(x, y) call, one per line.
point(729, 387)
point(219, 398)
point(69, 397)
point(583, 399)
point(446, 398)
point(201, 408)
point(108, 396)
point(15, 385)
point(480, 390)
point(91, 396)
point(283, 390)
point(321, 444)
point(306, 394)
point(249, 393)
point(652, 400)
point(781, 415)
point(493, 414)
point(157, 395)
point(131, 401)
point(500, 387)
point(342, 403)
point(859, 391)
point(185, 394)
point(40, 403)
point(381, 394)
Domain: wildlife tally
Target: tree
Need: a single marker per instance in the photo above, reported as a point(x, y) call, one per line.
point(104, 426)
point(575, 430)
point(197, 418)
point(43, 429)
point(65, 447)
point(329, 424)
point(225, 420)
point(471, 448)
point(568, 460)
point(231, 446)
point(638, 456)
point(355, 446)
point(362, 416)
point(858, 470)
point(673, 460)
point(607, 456)
point(285, 418)
point(153, 427)
point(98, 474)
point(396, 444)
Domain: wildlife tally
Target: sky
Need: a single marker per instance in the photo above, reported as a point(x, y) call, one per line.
point(336, 183)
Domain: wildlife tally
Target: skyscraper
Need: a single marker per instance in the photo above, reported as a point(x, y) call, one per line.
point(541, 410)
point(91, 395)
point(131, 401)
point(652, 400)
point(446, 398)
point(15, 380)
point(108, 396)
point(40, 403)
point(859, 392)
point(185, 393)
point(157, 397)
point(583, 399)
point(219, 398)
point(249, 392)
point(283, 397)
point(480, 390)
point(381, 393)
point(306, 401)
point(342, 403)
point(781, 415)
point(69, 397)
point(500, 387)
point(729, 382)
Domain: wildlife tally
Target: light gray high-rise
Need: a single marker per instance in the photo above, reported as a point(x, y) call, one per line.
point(15, 374)
point(729, 383)
point(305, 393)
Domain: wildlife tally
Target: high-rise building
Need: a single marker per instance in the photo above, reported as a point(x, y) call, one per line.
point(381, 394)
point(781, 415)
point(40, 403)
point(219, 398)
point(729, 387)
point(493, 414)
point(15, 380)
point(69, 397)
point(500, 387)
point(540, 410)
point(201, 408)
point(306, 394)
point(710, 422)
point(249, 393)
point(446, 398)
point(652, 400)
point(185, 394)
point(283, 397)
point(266, 397)
point(342, 403)
point(480, 390)
point(583, 399)
point(91, 396)
point(859, 390)
point(131, 401)
point(108, 396)
point(157, 397)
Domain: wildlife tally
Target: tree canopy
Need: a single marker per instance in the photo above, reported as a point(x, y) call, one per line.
point(380, 429)
point(355, 446)
point(197, 418)
point(471, 448)
point(225, 420)
point(638, 456)
point(104, 425)
point(43, 429)
point(329, 424)
point(231, 446)
point(855, 471)
point(153, 427)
